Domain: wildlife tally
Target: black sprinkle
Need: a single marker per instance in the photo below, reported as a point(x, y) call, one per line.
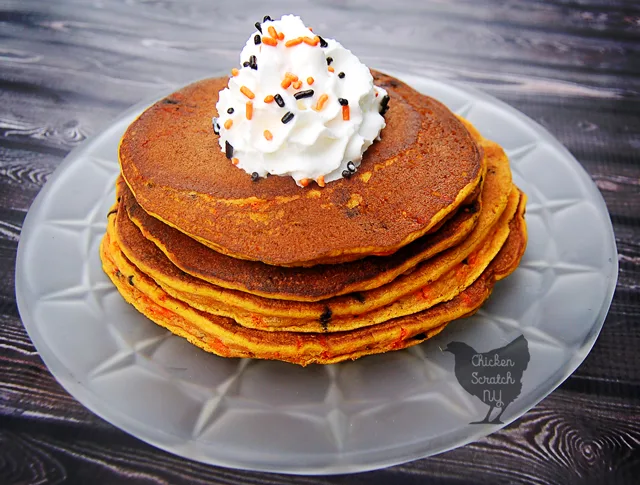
point(130, 280)
point(287, 117)
point(279, 100)
point(216, 126)
point(465, 261)
point(325, 318)
point(323, 43)
point(351, 167)
point(255, 177)
point(384, 104)
point(257, 39)
point(230, 111)
point(267, 19)
point(303, 94)
point(419, 336)
point(346, 174)
point(341, 75)
point(253, 63)
point(359, 297)
point(245, 64)
point(258, 27)
point(329, 60)
point(228, 150)
point(343, 102)
point(114, 211)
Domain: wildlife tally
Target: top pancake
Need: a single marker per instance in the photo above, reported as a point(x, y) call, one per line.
point(424, 167)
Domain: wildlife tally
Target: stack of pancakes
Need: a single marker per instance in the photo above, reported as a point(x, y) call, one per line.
point(379, 261)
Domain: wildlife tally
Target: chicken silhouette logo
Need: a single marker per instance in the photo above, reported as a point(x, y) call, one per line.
point(494, 377)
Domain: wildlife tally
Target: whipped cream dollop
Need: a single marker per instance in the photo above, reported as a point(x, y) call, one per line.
point(300, 106)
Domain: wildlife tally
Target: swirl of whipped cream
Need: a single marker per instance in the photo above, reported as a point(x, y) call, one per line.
point(301, 106)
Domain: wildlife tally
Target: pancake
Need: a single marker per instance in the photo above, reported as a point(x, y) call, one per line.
point(224, 337)
point(497, 187)
point(303, 284)
point(440, 288)
point(426, 155)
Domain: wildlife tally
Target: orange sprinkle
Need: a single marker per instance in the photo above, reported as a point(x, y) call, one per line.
point(268, 135)
point(345, 113)
point(235, 161)
point(280, 35)
point(292, 76)
point(269, 41)
point(249, 110)
point(310, 29)
point(331, 69)
point(247, 92)
point(310, 80)
point(305, 182)
point(286, 82)
point(272, 32)
point(292, 42)
point(234, 72)
point(320, 181)
point(376, 94)
point(268, 99)
point(297, 84)
point(310, 41)
point(321, 102)
point(227, 124)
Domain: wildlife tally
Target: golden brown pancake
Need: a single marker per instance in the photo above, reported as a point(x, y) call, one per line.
point(224, 337)
point(426, 165)
point(448, 280)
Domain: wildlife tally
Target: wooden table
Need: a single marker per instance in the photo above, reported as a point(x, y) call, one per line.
point(68, 67)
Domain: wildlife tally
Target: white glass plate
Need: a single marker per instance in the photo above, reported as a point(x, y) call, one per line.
point(371, 413)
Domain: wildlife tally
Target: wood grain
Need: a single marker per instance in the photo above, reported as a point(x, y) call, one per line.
point(69, 67)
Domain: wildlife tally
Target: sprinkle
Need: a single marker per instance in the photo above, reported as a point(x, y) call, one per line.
point(297, 84)
point(343, 102)
point(267, 18)
point(303, 94)
point(305, 182)
point(249, 110)
point(247, 92)
point(234, 72)
point(228, 124)
point(245, 64)
point(310, 29)
point(253, 63)
point(320, 181)
point(235, 161)
point(376, 94)
point(345, 113)
point(267, 134)
point(280, 35)
point(323, 43)
point(228, 150)
point(321, 102)
point(384, 104)
point(351, 167)
point(269, 41)
point(216, 126)
point(287, 117)
point(310, 80)
point(256, 39)
point(346, 174)
point(255, 177)
point(279, 100)
point(268, 98)
point(272, 32)
point(329, 60)
point(309, 41)
point(293, 42)
point(331, 69)
point(286, 82)
point(341, 75)
point(230, 111)
point(292, 76)
point(258, 27)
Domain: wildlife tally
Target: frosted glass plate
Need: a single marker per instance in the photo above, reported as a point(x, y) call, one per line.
point(371, 413)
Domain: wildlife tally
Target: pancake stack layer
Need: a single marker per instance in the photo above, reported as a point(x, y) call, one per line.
point(265, 269)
